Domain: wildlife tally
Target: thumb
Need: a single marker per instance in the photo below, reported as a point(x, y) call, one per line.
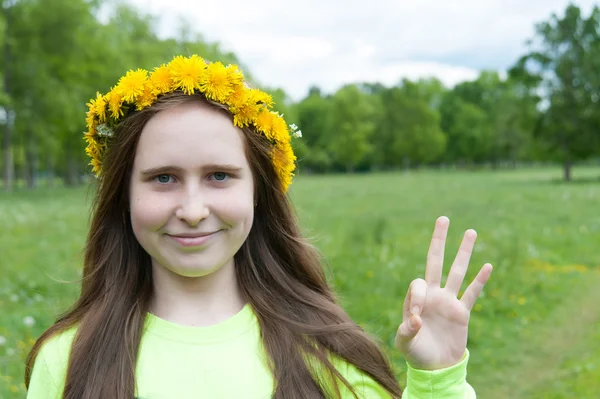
point(408, 329)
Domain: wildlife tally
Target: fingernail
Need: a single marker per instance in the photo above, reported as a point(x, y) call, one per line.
point(415, 310)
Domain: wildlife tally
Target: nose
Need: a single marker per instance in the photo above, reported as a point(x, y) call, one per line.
point(192, 208)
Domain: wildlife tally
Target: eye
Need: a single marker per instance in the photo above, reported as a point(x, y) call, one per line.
point(220, 176)
point(162, 179)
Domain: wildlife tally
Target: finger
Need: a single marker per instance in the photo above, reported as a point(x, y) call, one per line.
point(406, 307)
point(435, 256)
point(417, 295)
point(408, 329)
point(461, 262)
point(474, 289)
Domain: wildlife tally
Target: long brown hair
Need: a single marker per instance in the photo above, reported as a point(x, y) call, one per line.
point(278, 271)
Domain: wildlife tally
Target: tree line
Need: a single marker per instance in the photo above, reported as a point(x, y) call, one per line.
point(56, 55)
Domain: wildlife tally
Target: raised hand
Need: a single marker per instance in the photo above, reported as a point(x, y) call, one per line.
point(433, 333)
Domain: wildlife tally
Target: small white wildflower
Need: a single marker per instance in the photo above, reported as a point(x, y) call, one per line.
point(104, 130)
point(38, 298)
point(294, 129)
point(29, 321)
point(2, 340)
point(14, 298)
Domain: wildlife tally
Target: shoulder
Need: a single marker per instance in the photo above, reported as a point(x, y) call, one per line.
point(50, 367)
point(55, 351)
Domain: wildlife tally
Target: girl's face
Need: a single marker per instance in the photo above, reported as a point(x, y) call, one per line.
point(191, 178)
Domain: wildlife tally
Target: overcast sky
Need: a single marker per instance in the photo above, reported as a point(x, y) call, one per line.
point(296, 44)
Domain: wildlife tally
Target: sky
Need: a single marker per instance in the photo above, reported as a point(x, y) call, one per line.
point(295, 44)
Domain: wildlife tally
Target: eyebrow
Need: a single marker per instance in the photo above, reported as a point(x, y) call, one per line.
point(177, 169)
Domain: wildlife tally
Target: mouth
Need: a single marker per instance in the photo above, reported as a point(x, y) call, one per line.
point(187, 240)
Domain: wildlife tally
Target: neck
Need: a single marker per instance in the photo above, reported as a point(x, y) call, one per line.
point(195, 301)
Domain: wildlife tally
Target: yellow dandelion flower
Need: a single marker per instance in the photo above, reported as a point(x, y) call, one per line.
point(97, 106)
point(284, 156)
point(216, 84)
point(96, 166)
point(188, 72)
point(280, 129)
point(259, 96)
point(90, 152)
point(161, 80)
point(235, 75)
point(89, 135)
point(237, 98)
point(264, 122)
point(147, 98)
point(131, 86)
point(272, 125)
point(115, 101)
point(90, 120)
point(100, 108)
point(245, 115)
point(283, 160)
point(93, 149)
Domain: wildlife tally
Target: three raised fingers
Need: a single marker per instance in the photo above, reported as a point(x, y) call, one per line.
point(435, 266)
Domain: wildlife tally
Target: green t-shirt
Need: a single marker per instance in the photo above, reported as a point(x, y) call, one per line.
point(225, 361)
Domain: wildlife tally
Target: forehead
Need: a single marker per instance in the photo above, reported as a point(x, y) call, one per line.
point(190, 135)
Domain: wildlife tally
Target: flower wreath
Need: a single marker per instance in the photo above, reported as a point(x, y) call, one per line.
point(224, 84)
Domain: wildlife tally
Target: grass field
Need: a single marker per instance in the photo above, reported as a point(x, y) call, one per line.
point(535, 333)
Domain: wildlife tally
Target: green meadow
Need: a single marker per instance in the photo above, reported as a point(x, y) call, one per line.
point(534, 333)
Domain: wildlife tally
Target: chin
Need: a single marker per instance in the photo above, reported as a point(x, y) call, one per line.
point(195, 269)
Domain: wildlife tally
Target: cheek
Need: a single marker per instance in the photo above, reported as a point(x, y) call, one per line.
point(149, 213)
point(236, 208)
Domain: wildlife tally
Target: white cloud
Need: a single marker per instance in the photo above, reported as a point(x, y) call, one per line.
point(329, 43)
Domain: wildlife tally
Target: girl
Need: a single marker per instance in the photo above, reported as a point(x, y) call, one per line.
point(197, 282)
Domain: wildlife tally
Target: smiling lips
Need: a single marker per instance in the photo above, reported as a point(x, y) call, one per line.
point(192, 239)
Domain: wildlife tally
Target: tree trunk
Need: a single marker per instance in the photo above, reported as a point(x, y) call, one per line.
point(22, 176)
point(406, 163)
point(9, 166)
point(9, 171)
point(31, 159)
point(50, 170)
point(567, 169)
point(71, 174)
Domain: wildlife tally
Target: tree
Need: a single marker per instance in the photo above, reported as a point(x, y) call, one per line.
point(503, 113)
point(351, 123)
point(312, 115)
point(563, 61)
point(409, 130)
point(469, 132)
